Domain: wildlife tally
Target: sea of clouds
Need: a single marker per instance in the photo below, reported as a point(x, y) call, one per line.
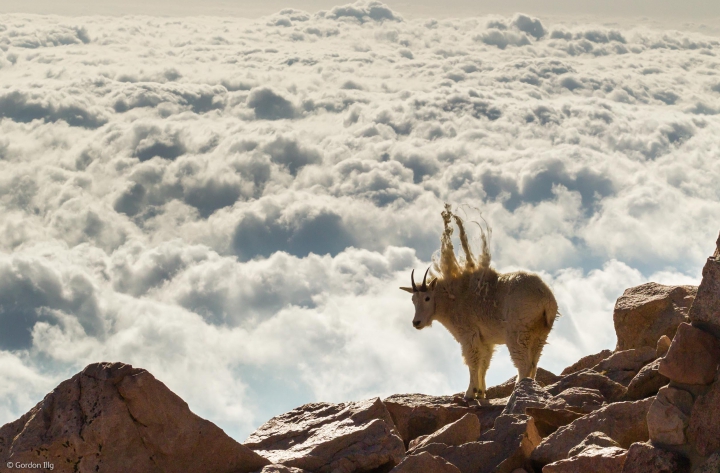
point(232, 204)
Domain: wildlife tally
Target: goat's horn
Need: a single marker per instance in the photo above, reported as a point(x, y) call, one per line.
point(412, 279)
point(424, 286)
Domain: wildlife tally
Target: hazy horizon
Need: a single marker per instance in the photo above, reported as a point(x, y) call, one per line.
point(232, 203)
point(673, 10)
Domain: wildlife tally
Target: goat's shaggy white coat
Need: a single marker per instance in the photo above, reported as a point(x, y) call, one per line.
point(482, 308)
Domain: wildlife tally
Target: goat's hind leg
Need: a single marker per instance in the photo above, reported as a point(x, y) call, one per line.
point(520, 347)
point(537, 344)
point(471, 360)
point(485, 353)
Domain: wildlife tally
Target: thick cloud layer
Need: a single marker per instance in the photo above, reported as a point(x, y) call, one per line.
point(232, 204)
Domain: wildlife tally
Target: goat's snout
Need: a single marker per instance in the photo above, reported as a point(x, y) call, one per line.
point(416, 323)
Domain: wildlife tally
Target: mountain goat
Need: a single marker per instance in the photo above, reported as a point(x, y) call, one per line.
point(482, 308)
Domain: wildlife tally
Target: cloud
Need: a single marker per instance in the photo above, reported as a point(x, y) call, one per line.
point(270, 105)
point(232, 203)
point(363, 11)
point(26, 107)
point(531, 26)
point(300, 231)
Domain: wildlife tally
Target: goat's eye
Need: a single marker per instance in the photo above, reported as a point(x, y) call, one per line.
point(427, 298)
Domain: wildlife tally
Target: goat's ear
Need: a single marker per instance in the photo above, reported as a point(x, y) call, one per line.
point(433, 283)
point(407, 289)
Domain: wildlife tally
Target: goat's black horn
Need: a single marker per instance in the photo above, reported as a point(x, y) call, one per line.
point(424, 286)
point(412, 279)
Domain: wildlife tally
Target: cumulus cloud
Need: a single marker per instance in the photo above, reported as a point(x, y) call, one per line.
point(233, 203)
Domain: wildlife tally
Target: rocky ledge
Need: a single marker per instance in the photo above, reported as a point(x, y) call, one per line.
point(651, 405)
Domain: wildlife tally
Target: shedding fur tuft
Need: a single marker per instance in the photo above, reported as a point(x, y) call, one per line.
point(468, 271)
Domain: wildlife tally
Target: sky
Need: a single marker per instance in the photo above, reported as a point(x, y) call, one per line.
point(232, 203)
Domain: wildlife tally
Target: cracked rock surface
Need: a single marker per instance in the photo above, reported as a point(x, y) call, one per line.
point(324, 437)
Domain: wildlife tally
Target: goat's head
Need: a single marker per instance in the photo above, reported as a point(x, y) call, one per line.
point(424, 300)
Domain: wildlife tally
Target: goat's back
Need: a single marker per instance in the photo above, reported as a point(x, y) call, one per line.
point(523, 298)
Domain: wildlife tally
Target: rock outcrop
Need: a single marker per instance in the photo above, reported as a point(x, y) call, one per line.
point(113, 417)
point(647, 382)
point(669, 415)
point(592, 459)
point(504, 448)
point(543, 378)
point(587, 378)
point(464, 430)
point(419, 414)
point(705, 314)
point(587, 362)
point(623, 422)
point(645, 313)
point(645, 458)
point(693, 356)
point(424, 462)
point(323, 437)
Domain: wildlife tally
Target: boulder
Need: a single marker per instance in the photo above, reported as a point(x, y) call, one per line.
point(669, 415)
point(503, 449)
point(647, 382)
point(591, 460)
point(624, 422)
point(693, 357)
point(549, 413)
point(622, 366)
point(466, 429)
point(587, 378)
point(501, 390)
point(581, 400)
point(113, 417)
point(547, 420)
point(543, 378)
point(595, 439)
point(586, 362)
point(662, 347)
point(705, 311)
point(325, 437)
point(644, 313)
point(710, 465)
point(419, 414)
point(704, 428)
point(527, 393)
point(645, 458)
point(424, 462)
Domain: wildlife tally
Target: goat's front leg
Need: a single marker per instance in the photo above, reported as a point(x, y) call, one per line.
point(474, 387)
point(477, 355)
